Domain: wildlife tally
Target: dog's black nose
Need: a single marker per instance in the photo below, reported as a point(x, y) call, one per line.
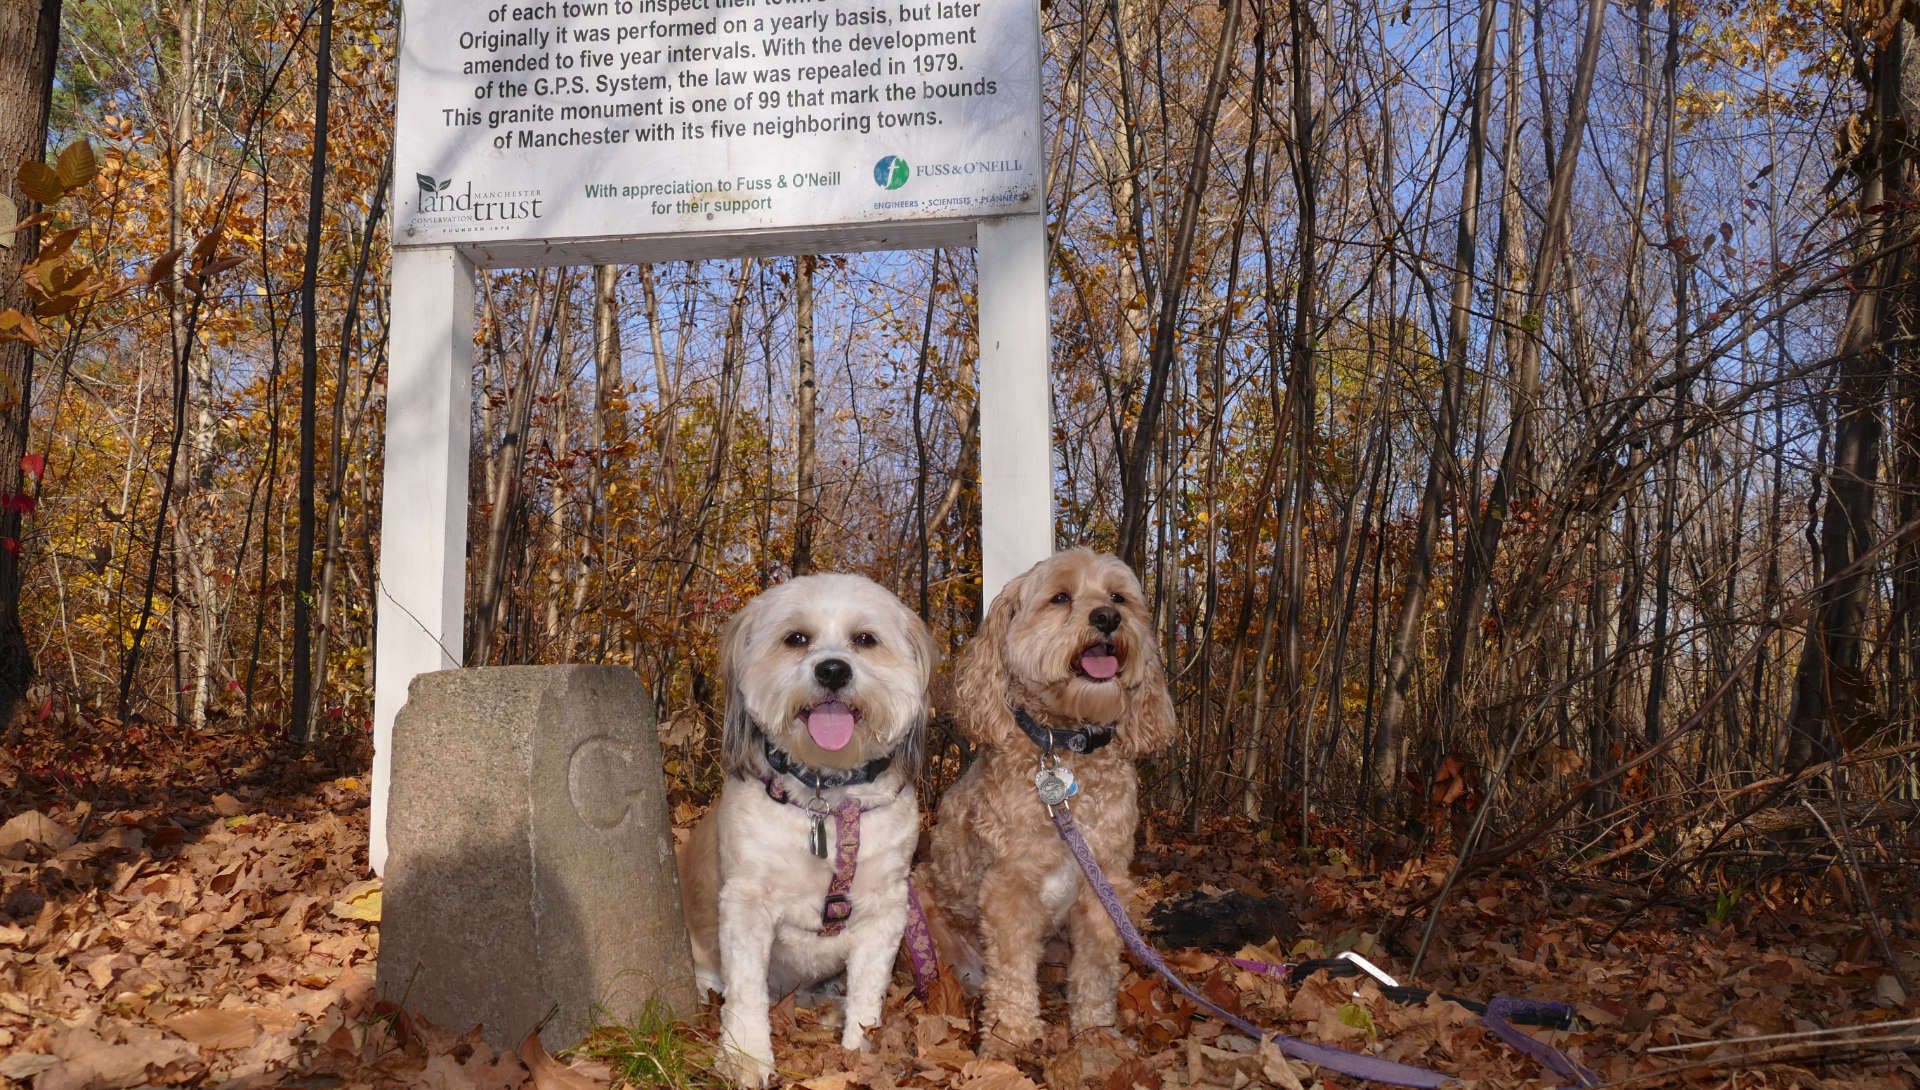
point(832, 673)
point(1106, 619)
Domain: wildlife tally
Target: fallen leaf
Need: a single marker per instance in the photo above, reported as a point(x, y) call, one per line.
point(359, 901)
point(994, 1075)
point(229, 1027)
point(1276, 1067)
point(91, 1063)
point(548, 1073)
point(22, 1066)
point(23, 831)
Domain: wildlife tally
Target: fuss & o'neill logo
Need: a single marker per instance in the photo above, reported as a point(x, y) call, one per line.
point(890, 172)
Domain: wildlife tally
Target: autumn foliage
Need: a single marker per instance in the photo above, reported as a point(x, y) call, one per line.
point(1527, 499)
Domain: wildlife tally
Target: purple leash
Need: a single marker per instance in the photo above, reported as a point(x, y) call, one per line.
point(1505, 1007)
point(839, 908)
point(1358, 1065)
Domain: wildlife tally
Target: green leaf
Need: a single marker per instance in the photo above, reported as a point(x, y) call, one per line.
point(444, 185)
point(1356, 1016)
point(76, 165)
point(426, 182)
point(37, 180)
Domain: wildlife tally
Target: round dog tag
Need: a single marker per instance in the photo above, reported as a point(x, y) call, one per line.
point(1055, 784)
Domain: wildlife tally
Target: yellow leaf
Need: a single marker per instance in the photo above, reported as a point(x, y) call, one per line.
point(360, 901)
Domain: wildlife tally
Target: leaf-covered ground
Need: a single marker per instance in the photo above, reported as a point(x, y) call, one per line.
point(179, 911)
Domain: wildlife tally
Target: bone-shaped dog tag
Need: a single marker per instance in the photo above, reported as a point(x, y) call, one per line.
point(1055, 784)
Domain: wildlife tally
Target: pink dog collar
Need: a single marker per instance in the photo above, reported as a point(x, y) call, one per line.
point(846, 856)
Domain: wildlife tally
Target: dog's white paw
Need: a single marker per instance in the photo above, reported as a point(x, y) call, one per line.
point(744, 1069)
point(854, 1036)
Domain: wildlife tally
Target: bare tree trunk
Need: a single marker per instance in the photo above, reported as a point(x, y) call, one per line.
point(1146, 433)
point(29, 45)
point(1302, 395)
point(806, 496)
point(1195, 771)
point(720, 446)
point(301, 728)
point(337, 464)
point(1387, 760)
point(556, 643)
point(1828, 689)
point(490, 599)
point(607, 430)
point(1682, 269)
point(197, 614)
point(1513, 478)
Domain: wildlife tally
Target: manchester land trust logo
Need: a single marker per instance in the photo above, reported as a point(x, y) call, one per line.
point(441, 208)
point(890, 172)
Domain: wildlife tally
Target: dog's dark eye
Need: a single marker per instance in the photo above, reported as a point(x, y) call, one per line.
point(1118, 598)
point(865, 639)
point(1062, 598)
point(795, 639)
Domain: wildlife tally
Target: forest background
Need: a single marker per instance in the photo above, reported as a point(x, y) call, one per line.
point(1510, 401)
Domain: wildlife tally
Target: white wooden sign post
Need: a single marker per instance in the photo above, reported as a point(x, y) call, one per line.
point(569, 132)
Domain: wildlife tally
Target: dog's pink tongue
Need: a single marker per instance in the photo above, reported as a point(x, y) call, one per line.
point(830, 725)
point(1098, 665)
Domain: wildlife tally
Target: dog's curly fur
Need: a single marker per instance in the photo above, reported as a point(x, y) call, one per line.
point(998, 870)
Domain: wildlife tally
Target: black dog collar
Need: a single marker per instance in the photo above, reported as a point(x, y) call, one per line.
point(820, 779)
point(1082, 739)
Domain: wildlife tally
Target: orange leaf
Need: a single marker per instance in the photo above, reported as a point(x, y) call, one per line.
point(55, 306)
point(162, 268)
point(204, 249)
point(59, 244)
point(548, 1073)
point(222, 264)
point(15, 326)
point(227, 1027)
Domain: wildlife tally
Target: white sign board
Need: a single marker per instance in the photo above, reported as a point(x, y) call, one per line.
point(527, 129)
point(569, 132)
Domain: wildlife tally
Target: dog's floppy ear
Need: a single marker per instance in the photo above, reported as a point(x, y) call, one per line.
point(1149, 725)
point(980, 687)
point(738, 735)
point(912, 753)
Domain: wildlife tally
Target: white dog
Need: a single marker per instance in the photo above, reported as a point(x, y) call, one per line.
point(800, 869)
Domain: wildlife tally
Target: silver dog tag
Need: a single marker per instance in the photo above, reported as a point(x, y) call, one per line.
point(817, 839)
point(1055, 784)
